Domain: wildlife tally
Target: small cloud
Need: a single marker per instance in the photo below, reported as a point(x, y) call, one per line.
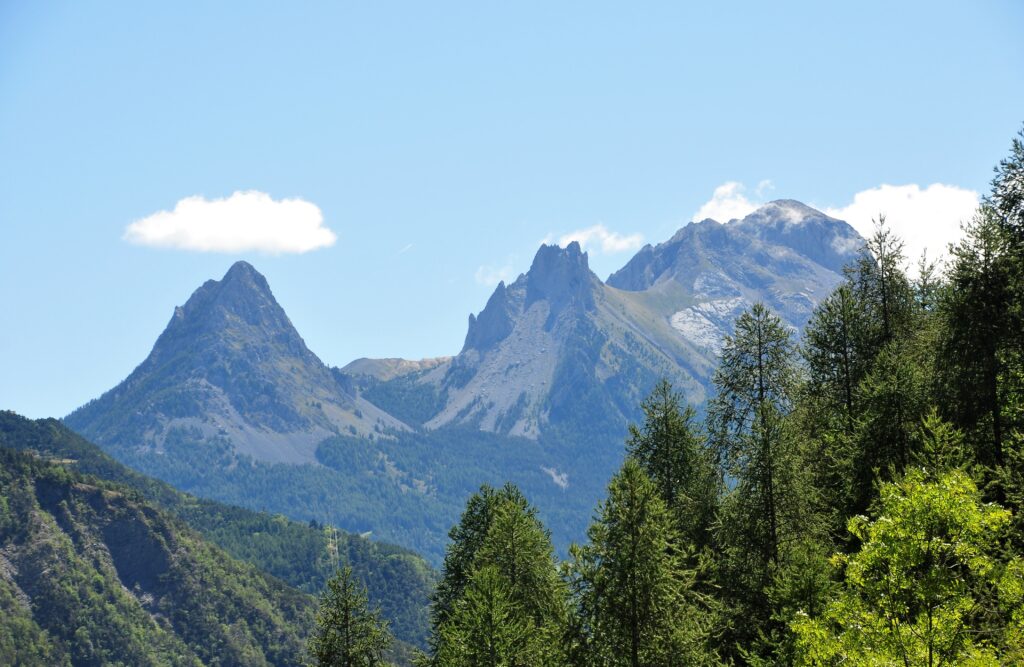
point(405, 249)
point(729, 202)
point(601, 238)
point(489, 276)
point(925, 218)
point(763, 188)
point(245, 221)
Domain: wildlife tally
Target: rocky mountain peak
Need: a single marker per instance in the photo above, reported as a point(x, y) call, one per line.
point(560, 276)
point(239, 306)
point(828, 241)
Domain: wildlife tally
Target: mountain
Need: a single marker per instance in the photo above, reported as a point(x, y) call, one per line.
point(231, 405)
point(398, 581)
point(229, 368)
point(558, 346)
point(556, 342)
point(786, 254)
point(390, 368)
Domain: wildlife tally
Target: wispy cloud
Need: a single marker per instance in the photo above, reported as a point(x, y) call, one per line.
point(406, 248)
point(599, 238)
point(245, 221)
point(924, 217)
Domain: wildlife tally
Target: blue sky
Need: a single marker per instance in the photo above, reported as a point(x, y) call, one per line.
point(441, 143)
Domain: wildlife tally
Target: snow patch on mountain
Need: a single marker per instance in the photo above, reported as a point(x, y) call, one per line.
point(705, 324)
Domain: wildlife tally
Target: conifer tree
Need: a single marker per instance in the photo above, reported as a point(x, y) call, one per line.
point(501, 560)
point(755, 382)
point(835, 358)
point(466, 538)
point(976, 334)
point(485, 629)
point(883, 290)
point(770, 522)
point(634, 592)
point(674, 454)
point(347, 632)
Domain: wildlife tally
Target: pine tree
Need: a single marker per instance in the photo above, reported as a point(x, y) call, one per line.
point(883, 290)
point(634, 596)
point(755, 382)
point(501, 559)
point(673, 453)
point(466, 539)
point(485, 629)
point(770, 523)
point(347, 632)
point(835, 359)
point(976, 332)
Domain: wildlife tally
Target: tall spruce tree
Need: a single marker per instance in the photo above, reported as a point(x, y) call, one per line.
point(500, 534)
point(347, 632)
point(673, 452)
point(976, 334)
point(634, 594)
point(769, 523)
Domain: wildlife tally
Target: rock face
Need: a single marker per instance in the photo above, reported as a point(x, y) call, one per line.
point(229, 366)
point(785, 254)
point(554, 346)
point(558, 346)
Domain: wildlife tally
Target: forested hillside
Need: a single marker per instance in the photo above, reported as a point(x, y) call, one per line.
point(855, 497)
point(90, 574)
point(301, 555)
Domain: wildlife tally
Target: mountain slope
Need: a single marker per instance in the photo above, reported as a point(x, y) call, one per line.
point(558, 344)
point(398, 581)
point(555, 343)
point(785, 254)
point(230, 368)
point(112, 580)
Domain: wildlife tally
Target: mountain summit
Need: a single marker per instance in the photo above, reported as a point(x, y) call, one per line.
point(558, 346)
point(229, 368)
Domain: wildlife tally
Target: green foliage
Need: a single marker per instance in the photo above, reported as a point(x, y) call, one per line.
point(501, 564)
point(634, 602)
point(347, 632)
point(399, 581)
point(111, 580)
point(928, 585)
point(674, 454)
point(486, 628)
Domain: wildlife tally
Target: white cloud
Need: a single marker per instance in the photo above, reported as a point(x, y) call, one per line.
point(601, 238)
point(729, 202)
point(489, 276)
point(245, 221)
point(925, 218)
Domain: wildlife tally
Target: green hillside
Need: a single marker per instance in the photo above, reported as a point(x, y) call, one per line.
point(301, 555)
